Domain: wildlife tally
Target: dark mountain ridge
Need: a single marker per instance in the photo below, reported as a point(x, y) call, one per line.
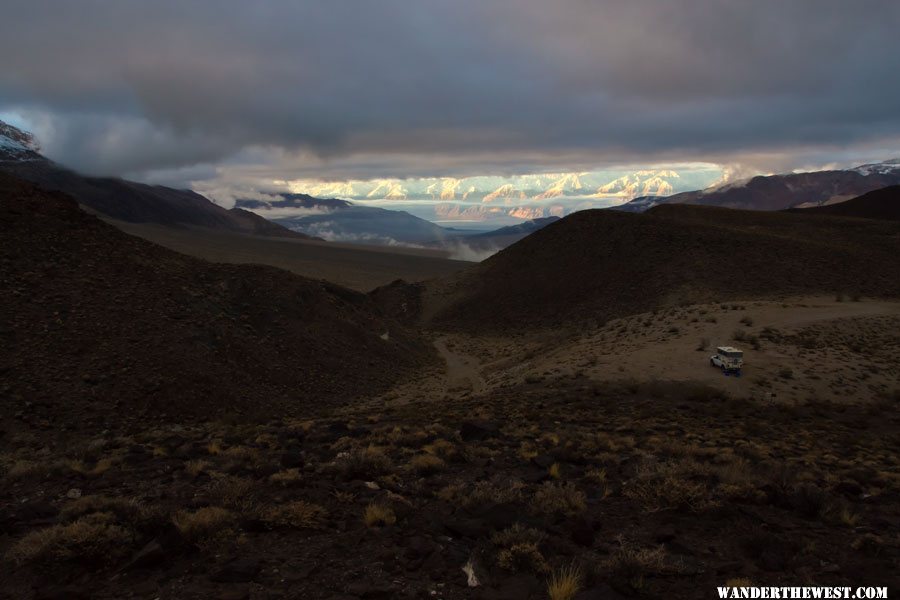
point(127, 200)
point(598, 264)
point(880, 204)
point(97, 323)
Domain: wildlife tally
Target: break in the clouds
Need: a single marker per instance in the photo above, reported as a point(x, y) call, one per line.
point(243, 93)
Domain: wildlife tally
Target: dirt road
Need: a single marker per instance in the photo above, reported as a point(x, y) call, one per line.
point(463, 371)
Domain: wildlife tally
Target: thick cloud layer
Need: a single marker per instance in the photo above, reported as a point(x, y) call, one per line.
point(449, 87)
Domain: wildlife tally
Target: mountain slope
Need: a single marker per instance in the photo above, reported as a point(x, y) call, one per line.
point(343, 221)
point(779, 192)
point(491, 241)
point(94, 319)
point(881, 204)
point(599, 264)
point(126, 200)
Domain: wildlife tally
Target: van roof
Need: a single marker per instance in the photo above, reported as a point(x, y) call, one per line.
point(727, 349)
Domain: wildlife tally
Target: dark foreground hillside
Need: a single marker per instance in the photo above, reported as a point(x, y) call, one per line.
point(98, 326)
point(881, 204)
point(596, 265)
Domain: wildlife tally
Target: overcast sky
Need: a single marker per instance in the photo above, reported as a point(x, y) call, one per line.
point(340, 89)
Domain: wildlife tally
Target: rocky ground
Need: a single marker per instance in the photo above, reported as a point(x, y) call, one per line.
point(648, 490)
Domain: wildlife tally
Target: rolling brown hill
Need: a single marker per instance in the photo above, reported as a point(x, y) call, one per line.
point(92, 319)
point(599, 264)
point(880, 204)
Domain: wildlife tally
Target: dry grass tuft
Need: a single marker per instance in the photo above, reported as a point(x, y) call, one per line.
point(207, 526)
point(377, 515)
point(564, 583)
point(234, 493)
point(426, 464)
point(365, 463)
point(483, 492)
point(299, 513)
point(632, 564)
point(286, 477)
point(552, 498)
point(196, 466)
point(524, 556)
point(93, 538)
point(126, 510)
point(671, 484)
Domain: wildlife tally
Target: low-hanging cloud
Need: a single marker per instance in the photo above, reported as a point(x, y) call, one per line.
point(393, 88)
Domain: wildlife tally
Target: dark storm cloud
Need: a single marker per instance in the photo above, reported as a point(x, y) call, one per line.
point(123, 86)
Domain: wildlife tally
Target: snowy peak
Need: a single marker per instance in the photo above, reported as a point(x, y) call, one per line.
point(888, 167)
point(640, 183)
point(388, 189)
point(506, 192)
point(565, 184)
point(16, 144)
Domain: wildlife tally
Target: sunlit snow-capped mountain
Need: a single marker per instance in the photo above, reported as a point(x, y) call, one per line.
point(511, 198)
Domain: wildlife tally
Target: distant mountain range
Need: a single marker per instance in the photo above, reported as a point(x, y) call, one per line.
point(779, 192)
point(344, 221)
point(534, 187)
point(519, 197)
point(127, 200)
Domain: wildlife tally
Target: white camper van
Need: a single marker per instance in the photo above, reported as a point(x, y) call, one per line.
point(728, 358)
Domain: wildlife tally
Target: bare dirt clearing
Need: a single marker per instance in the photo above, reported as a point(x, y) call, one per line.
point(805, 348)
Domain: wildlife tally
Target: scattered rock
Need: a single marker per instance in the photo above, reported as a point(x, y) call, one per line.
point(292, 459)
point(517, 587)
point(582, 532)
point(239, 570)
point(600, 592)
point(149, 556)
point(478, 430)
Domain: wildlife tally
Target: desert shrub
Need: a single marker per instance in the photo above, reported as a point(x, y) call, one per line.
point(94, 538)
point(196, 466)
point(703, 344)
point(442, 448)
point(517, 534)
point(365, 463)
point(669, 485)
point(747, 321)
point(377, 515)
point(483, 492)
point(523, 556)
point(630, 564)
point(565, 583)
point(205, 527)
point(564, 498)
point(286, 477)
point(234, 493)
point(426, 464)
point(739, 335)
point(126, 510)
point(21, 469)
point(299, 513)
